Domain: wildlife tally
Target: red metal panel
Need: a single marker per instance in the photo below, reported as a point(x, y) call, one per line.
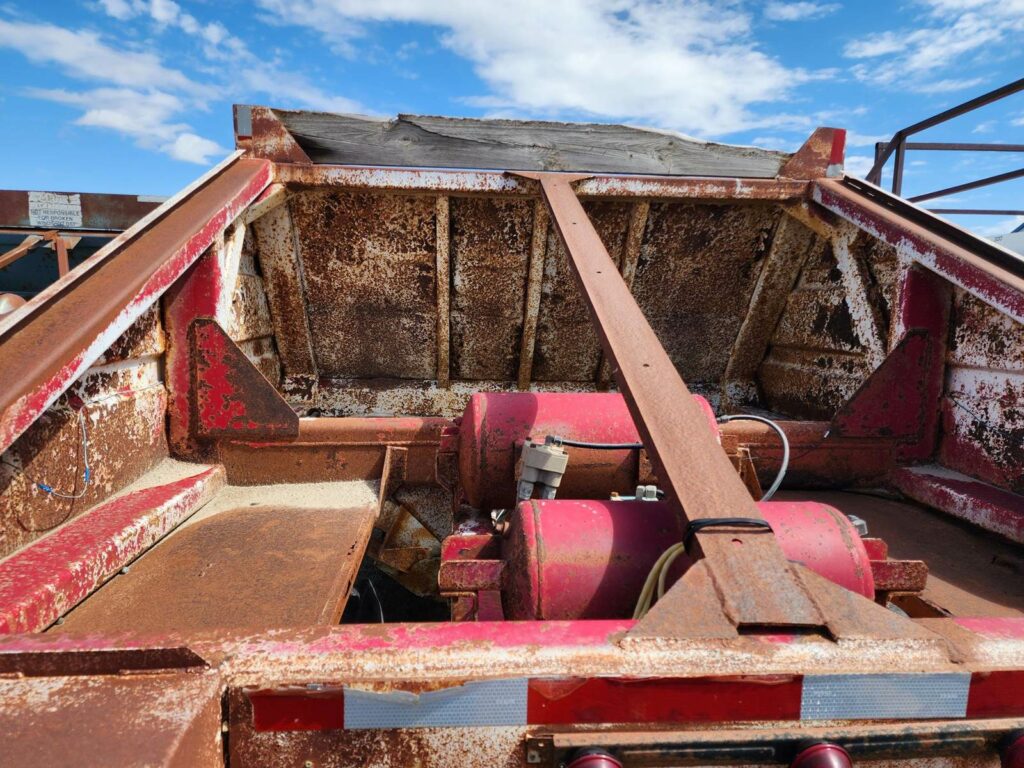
point(924, 302)
point(984, 505)
point(996, 694)
point(233, 399)
point(821, 155)
point(42, 581)
point(891, 402)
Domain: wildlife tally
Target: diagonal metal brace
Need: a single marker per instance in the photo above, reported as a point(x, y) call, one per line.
point(755, 583)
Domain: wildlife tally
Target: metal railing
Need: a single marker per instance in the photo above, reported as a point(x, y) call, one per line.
point(898, 146)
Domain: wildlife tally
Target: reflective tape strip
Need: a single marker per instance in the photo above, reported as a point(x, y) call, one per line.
point(598, 701)
point(483, 703)
point(861, 697)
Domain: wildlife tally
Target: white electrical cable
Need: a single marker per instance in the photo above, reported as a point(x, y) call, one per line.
point(785, 447)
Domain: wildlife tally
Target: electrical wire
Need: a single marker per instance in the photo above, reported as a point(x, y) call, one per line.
point(376, 599)
point(658, 577)
point(86, 472)
point(646, 599)
point(785, 447)
point(556, 440)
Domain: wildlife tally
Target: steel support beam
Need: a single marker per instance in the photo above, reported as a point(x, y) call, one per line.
point(982, 268)
point(751, 575)
point(454, 181)
point(54, 338)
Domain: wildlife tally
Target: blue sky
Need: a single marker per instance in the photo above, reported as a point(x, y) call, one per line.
point(134, 95)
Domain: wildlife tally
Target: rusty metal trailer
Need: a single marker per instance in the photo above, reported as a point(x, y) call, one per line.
point(446, 442)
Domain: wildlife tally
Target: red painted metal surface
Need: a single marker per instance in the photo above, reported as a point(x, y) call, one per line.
point(43, 581)
point(891, 402)
point(924, 303)
point(589, 559)
point(568, 702)
point(964, 497)
point(822, 756)
point(278, 711)
point(233, 399)
point(821, 155)
point(65, 336)
point(595, 759)
point(494, 426)
point(1012, 754)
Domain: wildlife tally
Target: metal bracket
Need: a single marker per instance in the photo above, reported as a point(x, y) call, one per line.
point(232, 397)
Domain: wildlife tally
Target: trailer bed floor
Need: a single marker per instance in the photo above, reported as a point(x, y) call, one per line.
point(255, 566)
point(971, 573)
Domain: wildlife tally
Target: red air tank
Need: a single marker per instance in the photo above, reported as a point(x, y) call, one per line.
point(495, 424)
point(588, 559)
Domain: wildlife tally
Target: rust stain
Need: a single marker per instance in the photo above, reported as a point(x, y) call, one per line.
point(697, 270)
point(567, 345)
point(491, 239)
point(369, 265)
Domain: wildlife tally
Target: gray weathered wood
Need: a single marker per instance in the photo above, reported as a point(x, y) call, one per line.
point(444, 142)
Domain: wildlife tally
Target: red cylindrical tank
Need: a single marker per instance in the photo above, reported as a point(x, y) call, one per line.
point(582, 559)
point(495, 424)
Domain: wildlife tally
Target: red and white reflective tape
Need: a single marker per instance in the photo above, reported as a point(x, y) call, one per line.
point(562, 701)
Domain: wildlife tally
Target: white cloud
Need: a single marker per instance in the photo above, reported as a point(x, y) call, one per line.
point(194, 149)
point(855, 139)
point(1001, 227)
point(119, 9)
point(952, 33)
point(798, 11)
point(858, 165)
point(250, 74)
point(147, 117)
point(139, 97)
point(949, 84)
point(775, 142)
point(82, 54)
point(694, 67)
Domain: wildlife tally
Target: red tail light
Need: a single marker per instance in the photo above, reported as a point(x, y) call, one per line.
point(593, 758)
point(1012, 753)
point(822, 755)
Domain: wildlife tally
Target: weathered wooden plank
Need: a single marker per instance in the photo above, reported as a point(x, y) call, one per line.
point(441, 142)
